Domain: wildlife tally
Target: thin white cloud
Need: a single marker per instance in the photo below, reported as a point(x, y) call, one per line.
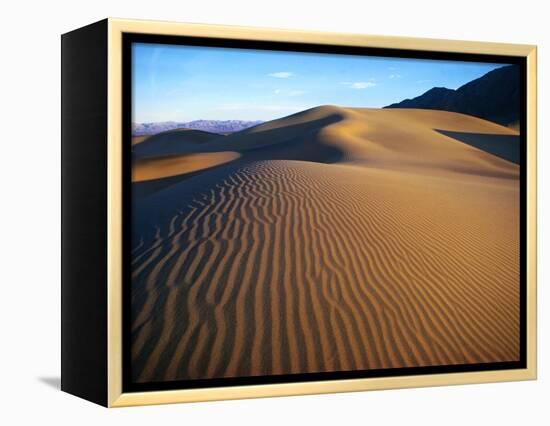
point(392, 76)
point(362, 85)
point(281, 74)
point(284, 92)
point(359, 85)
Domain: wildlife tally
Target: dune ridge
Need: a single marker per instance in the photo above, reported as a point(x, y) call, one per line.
point(360, 239)
point(331, 134)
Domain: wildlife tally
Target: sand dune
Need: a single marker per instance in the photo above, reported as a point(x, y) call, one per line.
point(172, 142)
point(170, 165)
point(503, 146)
point(397, 138)
point(340, 239)
point(138, 139)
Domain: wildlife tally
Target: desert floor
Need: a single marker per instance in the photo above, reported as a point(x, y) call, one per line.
point(333, 239)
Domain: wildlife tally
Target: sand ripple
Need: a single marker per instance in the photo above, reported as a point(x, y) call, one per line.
point(281, 267)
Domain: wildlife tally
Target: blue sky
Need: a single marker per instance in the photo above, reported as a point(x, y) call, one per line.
point(184, 83)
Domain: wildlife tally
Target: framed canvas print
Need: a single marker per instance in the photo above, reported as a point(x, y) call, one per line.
point(250, 212)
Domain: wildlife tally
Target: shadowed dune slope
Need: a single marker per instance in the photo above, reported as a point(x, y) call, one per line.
point(172, 142)
point(365, 240)
point(503, 146)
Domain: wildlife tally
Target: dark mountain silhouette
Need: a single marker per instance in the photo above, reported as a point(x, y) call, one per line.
point(494, 96)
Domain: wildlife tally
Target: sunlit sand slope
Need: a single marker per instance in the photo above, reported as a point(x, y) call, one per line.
point(360, 239)
point(160, 167)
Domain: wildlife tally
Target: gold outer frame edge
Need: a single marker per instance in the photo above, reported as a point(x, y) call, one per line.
point(114, 213)
point(116, 398)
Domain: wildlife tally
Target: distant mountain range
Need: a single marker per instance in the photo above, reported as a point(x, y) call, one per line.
point(213, 126)
point(494, 97)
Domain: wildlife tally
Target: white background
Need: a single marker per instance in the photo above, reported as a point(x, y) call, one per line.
point(30, 199)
